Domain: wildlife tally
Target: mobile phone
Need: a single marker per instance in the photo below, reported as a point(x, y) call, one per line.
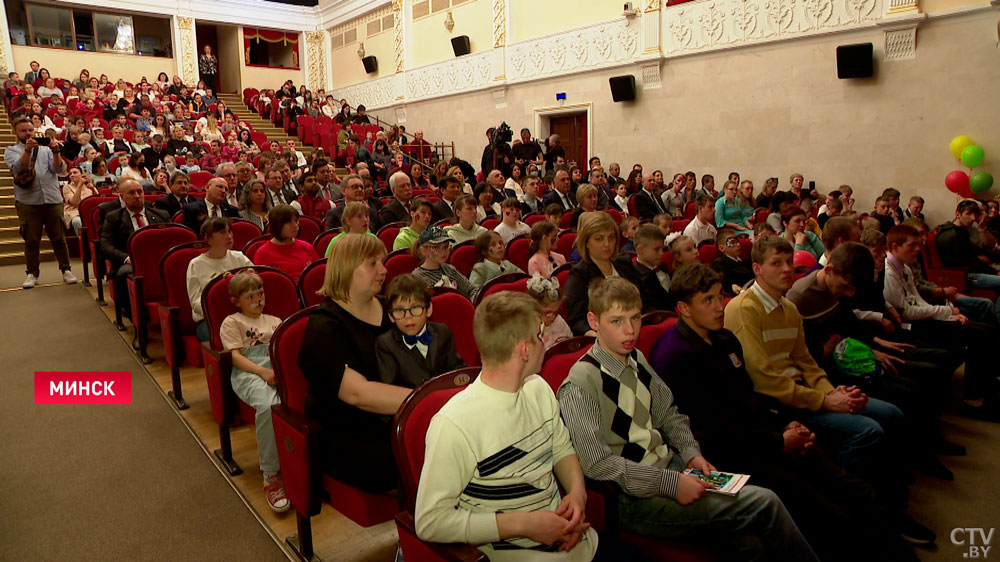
point(812, 185)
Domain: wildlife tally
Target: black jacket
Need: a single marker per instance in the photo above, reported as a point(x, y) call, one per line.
point(393, 211)
point(442, 210)
point(196, 213)
point(955, 247)
point(117, 228)
point(334, 218)
point(552, 196)
point(733, 272)
point(403, 366)
point(646, 207)
point(171, 204)
point(580, 278)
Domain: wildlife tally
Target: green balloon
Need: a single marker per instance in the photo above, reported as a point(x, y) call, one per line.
point(973, 156)
point(980, 182)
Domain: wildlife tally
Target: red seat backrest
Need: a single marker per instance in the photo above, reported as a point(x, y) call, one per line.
point(243, 232)
point(708, 253)
point(679, 225)
point(561, 357)
point(456, 312)
point(147, 246)
point(489, 224)
point(173, 275)
point(413, 419)
point(690, 210)
point(631, 206)
point(562, 272)
point(463, 257)
point(519, 252)
point(310, 281)
point(399, 263)
point(933, 258)
point(565, 244)
point(649, 335)
point(387, 234)
point(533, 218)
point(516, 282)
point(566, 220)
point(615, 214)
point(668, 262)
point(746, 245)
point(251, 247)
point(200, 178)
point(260, 138)
point(309, 229)
point(284, 350)
point(281, 298)
point(322, 241)
point(760, 215)
point(88, 216)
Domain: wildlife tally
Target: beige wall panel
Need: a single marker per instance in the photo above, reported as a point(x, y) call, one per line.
point(431, 42)
point(67, 64)
point(534, 18)
point(935, 6)
point(347, 67)
point(778, 109)
point(230, 52)
point(260, 77)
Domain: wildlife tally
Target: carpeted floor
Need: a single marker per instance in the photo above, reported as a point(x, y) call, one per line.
point(103, 482)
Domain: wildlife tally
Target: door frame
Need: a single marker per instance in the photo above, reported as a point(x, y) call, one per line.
point(543, 114)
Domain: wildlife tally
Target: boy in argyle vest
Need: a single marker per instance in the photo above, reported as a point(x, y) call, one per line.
point(627, 430)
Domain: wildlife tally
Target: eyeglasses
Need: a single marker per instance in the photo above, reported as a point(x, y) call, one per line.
point(415, 311)
point(438, 247)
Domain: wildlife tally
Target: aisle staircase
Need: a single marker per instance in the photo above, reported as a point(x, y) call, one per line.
point(235, 102)
point(11, 245)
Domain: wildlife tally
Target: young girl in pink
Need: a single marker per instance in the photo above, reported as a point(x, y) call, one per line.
point(232, 149)
point(547, 293)
point(544, 260)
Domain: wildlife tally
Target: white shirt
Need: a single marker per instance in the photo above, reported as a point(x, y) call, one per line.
point(508, 233)
point(420, 346)
point(699, 231)
point(203, 269)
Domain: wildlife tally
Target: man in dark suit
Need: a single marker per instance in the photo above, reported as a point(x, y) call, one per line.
point(560, 193)
point(531, 202)
point(605, 197)
point(118, 225)
point(397, 210)
point(179, 185)
point(450, 190)
point(648, 266)
point(497, 181)
point(278, 194)
point(647, 203)
point(213, 205)
point(354, 190)
point(154, 153)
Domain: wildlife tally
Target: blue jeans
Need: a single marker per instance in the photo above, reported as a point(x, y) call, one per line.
point(201, 331)
point(979, 310)
point(252, 389)
point(983, 281)
point(859, 437)
point(755, 512)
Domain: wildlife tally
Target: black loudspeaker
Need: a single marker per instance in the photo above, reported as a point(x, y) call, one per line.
point(622, 88)
point(371, 64)
point(461, 45)
point(855, 61)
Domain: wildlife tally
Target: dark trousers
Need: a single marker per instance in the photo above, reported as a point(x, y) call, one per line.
point(979, 341)
point(210, 82)
point(31, 219)
point(122, 302)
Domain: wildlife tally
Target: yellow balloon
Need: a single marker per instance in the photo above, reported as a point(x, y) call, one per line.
point(958, 144)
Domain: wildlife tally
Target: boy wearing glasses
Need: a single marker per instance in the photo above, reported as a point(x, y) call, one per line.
point(415, 350)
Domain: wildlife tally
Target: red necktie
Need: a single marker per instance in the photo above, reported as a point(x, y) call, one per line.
point(140, 220)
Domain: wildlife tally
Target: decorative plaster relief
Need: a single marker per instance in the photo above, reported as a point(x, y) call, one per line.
point(499, 23)
point(189, 50)
point(589, 48)
point(470, 72)
point(316, 59)
point(901, 44)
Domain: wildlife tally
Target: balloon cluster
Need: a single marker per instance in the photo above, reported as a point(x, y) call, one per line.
point(972, 155)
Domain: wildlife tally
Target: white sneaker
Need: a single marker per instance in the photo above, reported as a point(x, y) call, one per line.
point(29, 282)
point(69, 278)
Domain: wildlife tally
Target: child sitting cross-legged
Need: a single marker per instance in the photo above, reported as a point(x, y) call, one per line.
point(432, 249)
point(415, 350)
point(548, 295)
point(498, 451)
point(544, 257)
point(246, 334)
point(489, 252)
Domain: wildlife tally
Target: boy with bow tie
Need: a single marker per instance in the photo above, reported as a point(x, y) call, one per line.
point(649, 265)
point(415, 350)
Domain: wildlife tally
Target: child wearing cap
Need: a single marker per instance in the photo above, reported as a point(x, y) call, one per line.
point(432, 249)
point(415, 350)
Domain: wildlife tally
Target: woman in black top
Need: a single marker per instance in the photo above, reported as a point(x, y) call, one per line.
point(344, 117)
point(597, 244)
point(338, 361)
point(383, 160)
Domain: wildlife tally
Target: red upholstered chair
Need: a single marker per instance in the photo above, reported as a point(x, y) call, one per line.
point(463, 257)
point(251, 247)
point(746, 246)
point(260, 138)
point(200, 179)
point(243, 232)
point(505, 282)
point(804, 261)
point(562, 273)
point(708, 253)
point(566, 220)
point(690, 210)
point(322, 241)
point(668, 262)
point(146, 247)
point(176, 323)
point(305, 127)
point(561, 357)
point(398, 263)
point(760, 215)
point(531, 218)
point(89, 233)
point(387, 234)
point(653, 326)
point(489, 223)
point(632, 211)
point(311, 281)
point(948, 276)
point(615, 214)
point(518, 252)
point(298, 448)
point(282, 300)
point(566, 243)
point(679, 225)
point(455, 311)
point(309, 229)
point(408, 446)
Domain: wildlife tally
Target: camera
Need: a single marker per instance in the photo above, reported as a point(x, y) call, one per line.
point(43, 140)
point(502, 135)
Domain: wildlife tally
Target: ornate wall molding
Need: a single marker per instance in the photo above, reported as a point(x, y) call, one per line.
point(187, 48)
point(397, 33)
point(315, 59)
point(470, 72)
point(715, 24)
point(589, 48)
point(901, 44)
point(499, 23)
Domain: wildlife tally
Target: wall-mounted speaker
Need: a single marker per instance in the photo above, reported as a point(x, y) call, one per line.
point(461, 45)
point(622, 88)
point(371, 64)
point(855, 61)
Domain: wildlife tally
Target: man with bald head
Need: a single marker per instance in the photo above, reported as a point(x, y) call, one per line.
point(118, 225)
point(353, 187)
point(554, 151)
point(418, 148)
point(614, 175)
point(497, 181)
point(560, 193)
point(647, 202)
point(397, 210)
point(213, 205)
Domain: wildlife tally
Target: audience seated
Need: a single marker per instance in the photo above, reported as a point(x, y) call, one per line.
point(490, 262)
point(649, 266)
point(467, 228)
point(955, 246)
point(544, 259)
point(735, 271)
point(702, 226)
point(560, 193)
point(511, 226)
point(312, 203)
point(214, 204)
point(420, 219)
point(397, 210)
point(284, 250)
point(76, 189)
point(793, 221)
point(217, 232)
point(432, 250)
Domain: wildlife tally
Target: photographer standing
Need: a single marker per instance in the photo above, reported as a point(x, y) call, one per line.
point(528, 150)
point(497, 155)
point(37, 197)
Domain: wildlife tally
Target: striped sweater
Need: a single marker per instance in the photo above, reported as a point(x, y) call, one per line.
point(774, 349)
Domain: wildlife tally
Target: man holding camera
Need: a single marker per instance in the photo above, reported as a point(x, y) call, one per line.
point(497, 154)
point(38, 197)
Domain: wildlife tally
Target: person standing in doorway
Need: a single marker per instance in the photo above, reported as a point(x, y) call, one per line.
point(208, 67)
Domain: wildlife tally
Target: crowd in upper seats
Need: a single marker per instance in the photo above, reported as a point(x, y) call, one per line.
point(830, 353)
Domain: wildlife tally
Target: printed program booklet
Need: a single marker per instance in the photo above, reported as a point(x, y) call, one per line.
point(726, 483)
